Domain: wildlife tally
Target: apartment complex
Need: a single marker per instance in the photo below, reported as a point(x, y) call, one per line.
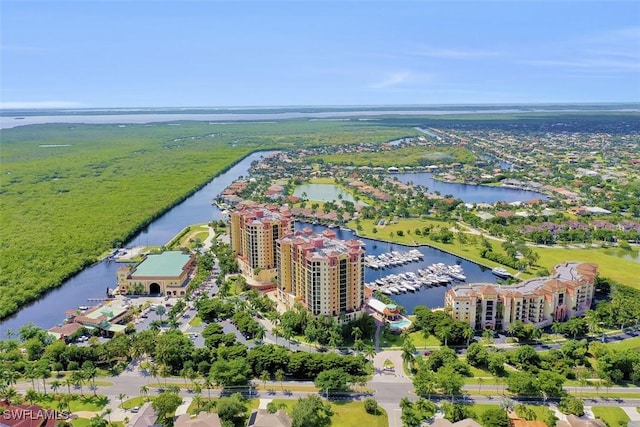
point(254, 231)
point(324, 274)
point(567, 293)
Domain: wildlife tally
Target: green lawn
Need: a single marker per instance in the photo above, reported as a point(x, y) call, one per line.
point(85, 422)
point(421, 343)
point(619, 269)
point(630, 343)
point(481, 408)
point(346, 414)
point(406, 156)
point(622, 270)
point(134, 401)
point(196, 321)
point(77, 403)
point(612, 415)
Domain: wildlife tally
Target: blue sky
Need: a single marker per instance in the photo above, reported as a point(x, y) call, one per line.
point(240, 53)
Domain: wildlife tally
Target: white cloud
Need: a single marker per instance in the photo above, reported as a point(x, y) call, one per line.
point(401, 78)
point(18, 105)
point(432, 52)
point(616, 50)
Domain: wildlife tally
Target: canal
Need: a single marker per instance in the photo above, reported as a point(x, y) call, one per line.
point(93, 281)
point(431, 297)
point(469, 193)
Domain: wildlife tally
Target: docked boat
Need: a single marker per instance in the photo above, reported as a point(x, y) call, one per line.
point(501, 272)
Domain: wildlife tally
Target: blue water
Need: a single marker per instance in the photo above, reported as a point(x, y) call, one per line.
point(469, 193)
point(431, 297)
point(93, 281)
point(322, 192)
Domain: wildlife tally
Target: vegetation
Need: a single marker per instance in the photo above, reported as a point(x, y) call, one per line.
point(67, 191)
point(406, 156)
point(612, 416)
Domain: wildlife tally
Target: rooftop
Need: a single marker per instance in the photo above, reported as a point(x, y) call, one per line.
point(565, 274)
point(166, 264)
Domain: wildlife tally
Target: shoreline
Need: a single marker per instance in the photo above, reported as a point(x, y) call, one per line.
point(104, 254)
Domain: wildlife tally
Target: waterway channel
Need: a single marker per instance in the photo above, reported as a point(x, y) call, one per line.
point(431, 297)
point(93, 281)
point(469, 193)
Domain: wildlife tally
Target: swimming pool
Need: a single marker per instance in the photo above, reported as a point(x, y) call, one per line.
point(400, 324)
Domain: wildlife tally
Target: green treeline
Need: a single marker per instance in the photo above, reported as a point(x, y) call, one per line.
point(71, 192)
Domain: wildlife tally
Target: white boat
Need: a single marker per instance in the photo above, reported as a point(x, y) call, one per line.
point(501, 272)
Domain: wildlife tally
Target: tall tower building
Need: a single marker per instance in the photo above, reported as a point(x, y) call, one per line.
point(324, 274)
point(254, 231)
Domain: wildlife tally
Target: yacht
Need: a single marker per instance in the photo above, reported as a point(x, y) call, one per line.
point(501, 272)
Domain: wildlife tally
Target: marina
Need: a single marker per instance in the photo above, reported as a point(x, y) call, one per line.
point(390, 259)
point(92, 281)
point(434, 275)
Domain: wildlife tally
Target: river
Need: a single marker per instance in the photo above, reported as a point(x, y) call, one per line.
point(93, 281)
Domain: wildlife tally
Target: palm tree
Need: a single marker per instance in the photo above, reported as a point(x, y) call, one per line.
point(31, 395)
point(197, 399)
point(154, 371)
point(369, 351)
point(121, 397)
point(408, 350)
point(280, 377)
point(31, 373)
point(55, 385)
point(107, 413)
point(356, 333)
point(10, 376)
point(144, 390)
point(68, 382)
point(196, 387)
point(208, 384)
point(480, 382)
point(425, 335)
point(90, 373)
point(260, 333)
point(9, 394)
point(78, 378)
point(264, 377)
point(468, 333)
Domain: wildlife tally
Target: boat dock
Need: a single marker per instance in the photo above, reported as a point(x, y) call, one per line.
point(434, 275)
point(392, 259)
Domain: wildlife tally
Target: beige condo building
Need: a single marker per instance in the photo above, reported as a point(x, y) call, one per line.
point(254, 230)
point(541, 301)
point(321, 272)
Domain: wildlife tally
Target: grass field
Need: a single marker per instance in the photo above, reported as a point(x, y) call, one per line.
point(86, 422)
point(611, 415)
point(346, 414)
point(77, 403)
point(196, 321)
point(69, 193)
point(407, 156)
point(630, 343)
point(133, 402)
point(622, 270)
